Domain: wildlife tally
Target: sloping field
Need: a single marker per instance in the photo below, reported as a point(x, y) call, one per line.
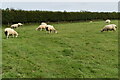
point(79, 50)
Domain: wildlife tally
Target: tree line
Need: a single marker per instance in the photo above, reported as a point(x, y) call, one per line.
point(10, 16)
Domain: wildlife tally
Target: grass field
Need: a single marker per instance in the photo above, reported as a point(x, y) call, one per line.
point(79, 50)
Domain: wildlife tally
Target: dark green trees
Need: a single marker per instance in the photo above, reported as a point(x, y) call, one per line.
point(10, 16)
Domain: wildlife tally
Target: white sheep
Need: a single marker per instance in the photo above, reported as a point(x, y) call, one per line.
point(114, 25)
point(91, 21)
point(51, 29)
point(9, 31)
point(16, 25)
point(107, 21)
point(41, 27)
point(43, 23)
point(20, 24)
point(109, 28)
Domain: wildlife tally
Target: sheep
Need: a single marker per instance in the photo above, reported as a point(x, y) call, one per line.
point(16, 25)
point(43, 23)
point(114, 25)
point(42, 26)
point(109, 28)
point(50, 28)
point(9, 31)
point(107, 21)
point(91, 21)
point(20, 24)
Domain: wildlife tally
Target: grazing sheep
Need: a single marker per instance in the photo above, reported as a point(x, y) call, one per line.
point(51, 29)
point(41, 27)
point(107, 21)
point(9, 31)
point(109, 28)
point(20, 24)
point(16, 25)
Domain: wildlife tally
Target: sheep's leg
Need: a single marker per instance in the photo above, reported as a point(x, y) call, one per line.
point(41, 29)
point(7, 35)
point(13, 35)
point(50, 31)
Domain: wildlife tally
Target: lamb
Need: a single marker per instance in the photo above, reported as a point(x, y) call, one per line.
point(9, 31)
point(51, 29)
point(107, 21)
point(109, 28)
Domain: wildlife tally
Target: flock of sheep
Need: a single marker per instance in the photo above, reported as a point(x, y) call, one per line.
point(11, 31)
point(50, 28)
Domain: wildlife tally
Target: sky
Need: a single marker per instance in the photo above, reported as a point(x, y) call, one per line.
point(71, 6)
point(59, 0)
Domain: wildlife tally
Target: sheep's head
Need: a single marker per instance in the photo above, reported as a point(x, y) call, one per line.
point(18, 25)
point(55, 31)
point(38, 28)
point(16, 34)
point(102, 30)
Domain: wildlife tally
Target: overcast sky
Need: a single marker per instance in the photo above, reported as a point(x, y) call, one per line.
point(68, 5)
point(59, 0)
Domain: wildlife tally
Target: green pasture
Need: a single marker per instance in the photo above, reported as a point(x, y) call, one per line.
point(79, 50)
